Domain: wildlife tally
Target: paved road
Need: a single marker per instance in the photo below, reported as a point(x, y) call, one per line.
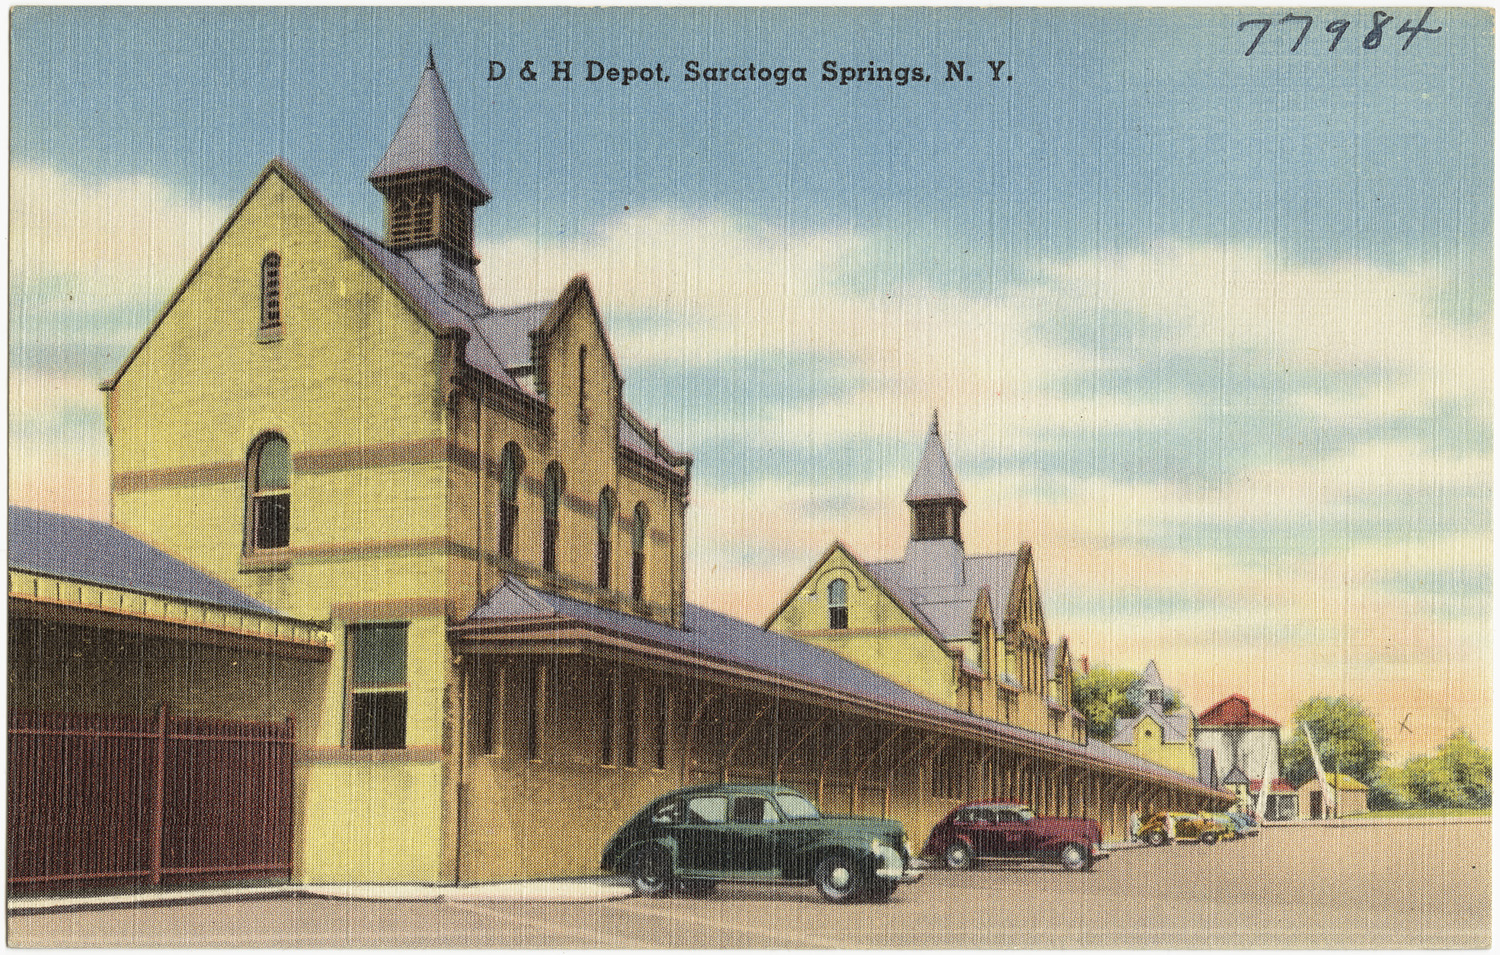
point(1414, 886)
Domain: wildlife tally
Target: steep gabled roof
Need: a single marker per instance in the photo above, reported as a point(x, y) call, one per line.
point(91, 552)
point(1234, 712)
point(1150, 678)
point(897, 595)
point(429, 137)
point(413, 292)
point(1175, 727)
point(495, 340)
point(950, 609)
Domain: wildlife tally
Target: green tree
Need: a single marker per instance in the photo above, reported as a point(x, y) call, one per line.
point(1348, 738)
point(1390, 790)
point(1100, 696)
point(1457, 776)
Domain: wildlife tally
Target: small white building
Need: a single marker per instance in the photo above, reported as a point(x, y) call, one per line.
point(1241, 739)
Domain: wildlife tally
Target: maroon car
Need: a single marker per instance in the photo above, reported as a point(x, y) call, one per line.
point(1010, 831)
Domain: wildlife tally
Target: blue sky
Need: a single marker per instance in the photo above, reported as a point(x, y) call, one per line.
point(1212, 331)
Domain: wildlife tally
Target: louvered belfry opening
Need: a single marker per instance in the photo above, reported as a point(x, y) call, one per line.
point(431, 209)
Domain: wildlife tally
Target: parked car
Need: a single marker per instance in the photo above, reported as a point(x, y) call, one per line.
point(1166, 827)
point(1240, 826)
point(1245, 822)
point(1002, 830)
point(691, 839)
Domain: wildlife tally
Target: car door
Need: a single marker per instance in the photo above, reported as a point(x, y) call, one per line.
point(987, 837)
point(701, 835)
point(1012, 834)
point(750, 836)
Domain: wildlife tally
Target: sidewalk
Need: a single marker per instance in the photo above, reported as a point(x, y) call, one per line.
point(544, 890)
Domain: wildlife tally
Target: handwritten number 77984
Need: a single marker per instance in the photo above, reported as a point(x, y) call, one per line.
point(1337, 29)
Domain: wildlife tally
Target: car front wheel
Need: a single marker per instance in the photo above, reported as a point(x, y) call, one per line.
point(1074, 857)
point(651, 872)
point(959, 856)
point(838, 879)
point(1156, 838)
point(1208, 838)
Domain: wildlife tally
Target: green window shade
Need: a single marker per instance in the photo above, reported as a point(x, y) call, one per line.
point(379, 657)
point(274, 466)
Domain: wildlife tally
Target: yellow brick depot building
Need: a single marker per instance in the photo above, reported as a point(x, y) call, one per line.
point(462, 499)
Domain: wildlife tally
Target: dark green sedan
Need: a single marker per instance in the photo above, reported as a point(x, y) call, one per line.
point(690, 840)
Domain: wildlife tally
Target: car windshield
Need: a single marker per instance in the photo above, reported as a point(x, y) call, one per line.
point(794, 806)
point(1026, 814)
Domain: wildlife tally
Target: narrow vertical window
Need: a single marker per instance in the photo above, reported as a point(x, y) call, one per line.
point(268, 487)
point(638, 553)
point(511, 466)
point(606, 523)
point(838, 604)
point(583, 357)
point(270, 292)
point(377, 685)
point(552, 492)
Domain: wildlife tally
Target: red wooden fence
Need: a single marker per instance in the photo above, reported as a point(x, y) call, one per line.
point(98, 798)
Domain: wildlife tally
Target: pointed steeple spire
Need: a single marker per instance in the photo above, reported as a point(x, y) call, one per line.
point(431, 188)
point(935, 550)
point(934, 479)
point(429, 139)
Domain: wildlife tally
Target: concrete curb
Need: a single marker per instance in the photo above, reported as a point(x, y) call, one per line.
point(546, 890)
point(1349, 821)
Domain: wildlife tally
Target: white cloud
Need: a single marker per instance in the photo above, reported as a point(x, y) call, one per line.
point(105, 243)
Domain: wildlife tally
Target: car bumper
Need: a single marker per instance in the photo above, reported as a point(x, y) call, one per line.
point(893, 867)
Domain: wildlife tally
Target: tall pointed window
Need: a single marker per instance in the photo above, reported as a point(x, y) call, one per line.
point(838, 604)
point(511, 466)
point(553, 487)
point(606, 518)
point(270, 292)
point(268, 494)
point(638, 552)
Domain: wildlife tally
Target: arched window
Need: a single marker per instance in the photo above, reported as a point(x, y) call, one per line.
point(270, 292)
point(838, 604)
point(512, 465)
point(268, 494)
point(638, 552)
point(606, 518)
point(553, 487)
